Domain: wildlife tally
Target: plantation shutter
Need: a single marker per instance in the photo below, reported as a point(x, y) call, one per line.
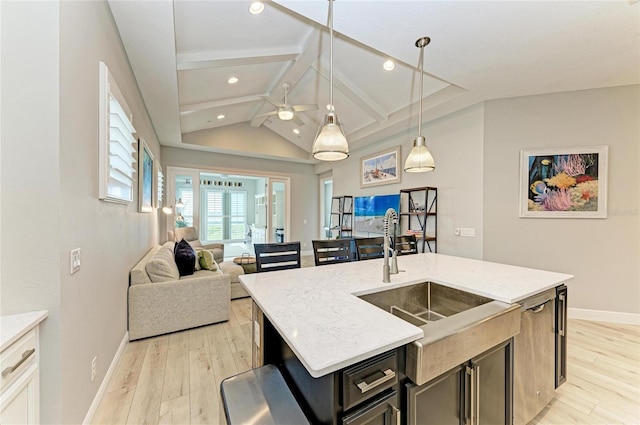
point(117, 143)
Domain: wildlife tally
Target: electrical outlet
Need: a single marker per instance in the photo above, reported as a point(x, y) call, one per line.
point(74, 261)
point(94, 368)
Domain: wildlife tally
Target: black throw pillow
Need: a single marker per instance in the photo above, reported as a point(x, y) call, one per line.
point(185, 258)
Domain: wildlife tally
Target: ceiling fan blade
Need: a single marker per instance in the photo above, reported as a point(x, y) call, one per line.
point(304, 108)
point(271, 101)
point(259, 119)
point(297, 120)
point(267, 114)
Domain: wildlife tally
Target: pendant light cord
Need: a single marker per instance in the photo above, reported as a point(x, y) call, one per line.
point(421, 81)
point(331, 55)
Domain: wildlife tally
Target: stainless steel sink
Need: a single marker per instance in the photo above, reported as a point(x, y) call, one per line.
point(425, 302)
point(457, 325)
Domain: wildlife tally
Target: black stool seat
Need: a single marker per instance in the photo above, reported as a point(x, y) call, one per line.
point(260, 396)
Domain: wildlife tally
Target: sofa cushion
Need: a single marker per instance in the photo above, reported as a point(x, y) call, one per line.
point(162, 267)
point(138, 274)
point(185, 258)
point(187, 233)
point(232, 269)
point(206, 261)
point(195, 244)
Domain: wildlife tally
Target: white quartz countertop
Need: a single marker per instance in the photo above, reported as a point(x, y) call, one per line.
point(14, 326)
point(317, 312)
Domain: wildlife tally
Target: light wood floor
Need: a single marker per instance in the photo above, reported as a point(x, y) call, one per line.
point(176, 378)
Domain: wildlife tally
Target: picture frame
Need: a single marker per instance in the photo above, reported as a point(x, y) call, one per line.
point(369, 212)
point(146, 177)
point(563, 182)
point(381, 168)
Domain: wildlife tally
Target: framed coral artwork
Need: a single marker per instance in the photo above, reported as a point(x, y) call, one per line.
point(564, 182)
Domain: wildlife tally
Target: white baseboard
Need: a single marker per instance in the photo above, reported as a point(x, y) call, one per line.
point(604, 316)
point(105, 382)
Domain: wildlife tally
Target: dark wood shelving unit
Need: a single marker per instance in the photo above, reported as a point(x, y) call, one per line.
point(341, 216)
point(419, 216)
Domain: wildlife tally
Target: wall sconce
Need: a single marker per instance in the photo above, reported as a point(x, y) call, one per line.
point(169, 210)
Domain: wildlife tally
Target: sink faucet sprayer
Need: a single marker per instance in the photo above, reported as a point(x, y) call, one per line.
point(388, 270)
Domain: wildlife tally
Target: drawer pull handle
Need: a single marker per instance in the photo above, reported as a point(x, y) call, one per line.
point(24, 358)
point(388, 375)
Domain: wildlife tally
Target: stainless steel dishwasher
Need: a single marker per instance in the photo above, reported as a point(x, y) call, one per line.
point(534, 357)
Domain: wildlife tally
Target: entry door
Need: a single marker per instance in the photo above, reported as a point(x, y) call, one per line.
point(183, 198)
point(278, 210)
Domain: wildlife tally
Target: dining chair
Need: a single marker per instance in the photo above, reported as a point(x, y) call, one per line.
point(406, 244)
point(369, 248)
point(277, 256)
point(331, 251)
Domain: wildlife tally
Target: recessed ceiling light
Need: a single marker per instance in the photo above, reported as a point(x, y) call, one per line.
point(232, 80)
point(388, 65)
point(221, 116)
point(296, 131)
point(256, 8)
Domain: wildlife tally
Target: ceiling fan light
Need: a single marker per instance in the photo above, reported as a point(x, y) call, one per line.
point(285, 113)
point(330, 143)
point(419, 159)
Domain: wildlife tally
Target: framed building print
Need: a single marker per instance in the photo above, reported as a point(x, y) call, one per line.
point(381, 168)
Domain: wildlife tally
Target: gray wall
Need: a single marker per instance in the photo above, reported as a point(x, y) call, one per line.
point(304, 183)
point(50, 54)
point(31, 224)
point(603, 254)
point(456, 144)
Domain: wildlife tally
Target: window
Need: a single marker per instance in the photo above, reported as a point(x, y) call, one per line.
point(116, 142)
point(224, 214)
point(238, 214)
point(160, 181)
point(214, 214)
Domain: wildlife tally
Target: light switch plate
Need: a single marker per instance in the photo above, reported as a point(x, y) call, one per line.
point(469, 232)
point(74, 261)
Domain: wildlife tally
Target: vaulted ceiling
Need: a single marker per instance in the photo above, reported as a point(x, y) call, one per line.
point(184, 52)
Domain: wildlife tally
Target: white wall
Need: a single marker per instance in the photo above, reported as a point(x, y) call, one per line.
point(50, 54)
point(603, 254)
point(304, 183)
point(456, 144)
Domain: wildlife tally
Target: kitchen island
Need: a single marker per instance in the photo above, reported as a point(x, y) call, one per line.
point(318, 313)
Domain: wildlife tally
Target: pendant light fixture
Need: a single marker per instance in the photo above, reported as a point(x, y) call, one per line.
point(330, 143)
point(420, 159)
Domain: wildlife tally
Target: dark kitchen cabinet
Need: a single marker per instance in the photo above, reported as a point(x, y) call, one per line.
point(479, 391)
point(382, 411)
point(363, 393)
point(439, 401)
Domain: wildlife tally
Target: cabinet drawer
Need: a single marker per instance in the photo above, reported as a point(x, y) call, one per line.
point(369, 378)
point(17, 358)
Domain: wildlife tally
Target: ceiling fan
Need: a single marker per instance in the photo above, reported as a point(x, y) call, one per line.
point(284, 111)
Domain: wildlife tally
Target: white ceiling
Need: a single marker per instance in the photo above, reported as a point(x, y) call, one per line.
point(183, 52)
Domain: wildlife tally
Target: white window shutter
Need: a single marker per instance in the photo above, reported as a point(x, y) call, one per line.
point(117, 144)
